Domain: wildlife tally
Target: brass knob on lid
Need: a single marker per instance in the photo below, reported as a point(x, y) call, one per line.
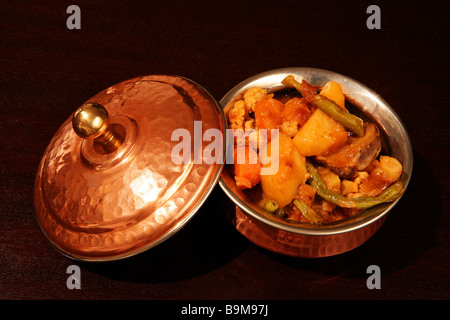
point(91, 121)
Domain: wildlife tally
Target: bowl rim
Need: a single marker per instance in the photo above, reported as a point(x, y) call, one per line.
point(366, 217)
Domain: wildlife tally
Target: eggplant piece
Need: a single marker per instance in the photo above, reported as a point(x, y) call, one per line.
point(355, 155)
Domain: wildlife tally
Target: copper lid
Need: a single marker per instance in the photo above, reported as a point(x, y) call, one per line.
point(107, 186)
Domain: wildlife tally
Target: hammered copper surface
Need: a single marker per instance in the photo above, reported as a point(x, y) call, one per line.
point(94, 205)
point(300, 245)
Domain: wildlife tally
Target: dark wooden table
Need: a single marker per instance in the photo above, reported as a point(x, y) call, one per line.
point(47, 71)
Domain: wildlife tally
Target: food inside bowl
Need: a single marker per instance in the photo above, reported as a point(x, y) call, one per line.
point(331, 163)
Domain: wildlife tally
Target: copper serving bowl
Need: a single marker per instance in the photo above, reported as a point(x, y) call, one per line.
point(308, 240)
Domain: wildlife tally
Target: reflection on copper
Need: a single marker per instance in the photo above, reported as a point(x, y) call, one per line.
point(147, 186)
point(104, 205)
point(301, 245)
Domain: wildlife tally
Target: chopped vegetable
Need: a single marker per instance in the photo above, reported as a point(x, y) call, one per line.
point(280, 212)
point(351, 122)
point(307, 212)
point(319, 135)
point(253, 96)
point(306, 193)
point(389, 195)
point(333, 91)
point(382, 176)
point(269, 205)
point(390, 167)
point(309, 126)
point(355, 155)
point(348, 120)
point(282, 186)
point(330, 179)
point(296, 109)
point(248, 171)
point(348, 187)
point(307, 91)
point(295, 114)
point(293, 214)
point(236, 116)
point(268, 114)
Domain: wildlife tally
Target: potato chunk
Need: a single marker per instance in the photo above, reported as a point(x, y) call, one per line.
point(330, 179)
point(333, 91)
point(320, 134)
point(388, 171)
point(282, 186)
point(348, 187)
point(391, 168)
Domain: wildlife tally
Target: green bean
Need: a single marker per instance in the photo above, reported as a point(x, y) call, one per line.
point(389, 195)
point(307, 212)
point(269, 205)
point(290, 81)
point(348, 120)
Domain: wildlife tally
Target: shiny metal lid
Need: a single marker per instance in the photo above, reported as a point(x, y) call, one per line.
point(116, 191)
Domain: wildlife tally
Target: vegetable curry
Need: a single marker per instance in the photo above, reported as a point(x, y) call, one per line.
point(330, 161)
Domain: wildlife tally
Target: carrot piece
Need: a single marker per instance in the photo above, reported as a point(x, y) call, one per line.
point(248, 172)
point(268, 114)
point(297, 110)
